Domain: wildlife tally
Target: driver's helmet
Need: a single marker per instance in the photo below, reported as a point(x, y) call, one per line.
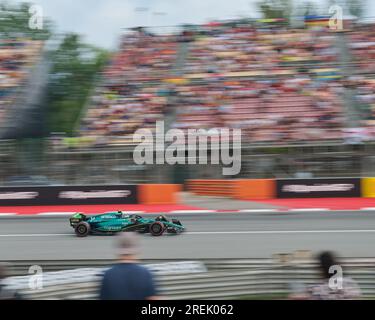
point(121, 214)
point(134, 218)
point(161, 218)
point(125, 215)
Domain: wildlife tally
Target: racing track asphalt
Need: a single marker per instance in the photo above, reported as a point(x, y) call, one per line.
point(209, 235)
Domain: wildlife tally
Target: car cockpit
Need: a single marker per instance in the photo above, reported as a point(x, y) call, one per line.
point(161, 218)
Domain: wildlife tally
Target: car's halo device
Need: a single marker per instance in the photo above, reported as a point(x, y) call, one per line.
point(118, 221)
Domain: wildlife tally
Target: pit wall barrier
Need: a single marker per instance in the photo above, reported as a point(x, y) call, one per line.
point(158, 193)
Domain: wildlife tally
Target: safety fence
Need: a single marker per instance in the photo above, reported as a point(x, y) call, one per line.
point(70, 165)
point(207, 279)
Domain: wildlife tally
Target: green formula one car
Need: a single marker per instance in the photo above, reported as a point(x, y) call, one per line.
point(114, 222)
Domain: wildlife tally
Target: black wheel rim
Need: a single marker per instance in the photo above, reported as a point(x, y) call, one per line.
point(156, 228)
point(81, 229)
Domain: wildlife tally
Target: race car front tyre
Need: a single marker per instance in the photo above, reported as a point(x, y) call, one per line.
point(82, 229)
point(157, 228)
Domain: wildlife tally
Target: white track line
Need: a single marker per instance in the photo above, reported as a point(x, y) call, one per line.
point(5, 214)
point(52, 214)
point(257, 210)
point(368, 209)
point(308, 209)
point(206, 233)
point(281, 232)
point(192, 211)
point(35, 235)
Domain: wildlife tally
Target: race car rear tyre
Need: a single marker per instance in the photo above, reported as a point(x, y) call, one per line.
point(82, 229)
point(157, 228)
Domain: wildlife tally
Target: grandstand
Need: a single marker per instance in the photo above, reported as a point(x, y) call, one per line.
point(256, 83)
point(132, 94)
point(278, 85)
point(304, 91)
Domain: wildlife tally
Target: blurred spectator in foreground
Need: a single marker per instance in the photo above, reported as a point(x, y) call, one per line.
point(5, 293)
point(324, 291)
point(128, 280)
point(332, 286)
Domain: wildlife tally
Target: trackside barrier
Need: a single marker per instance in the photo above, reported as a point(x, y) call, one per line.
point(223, 279)
point(247, 189)
point(318, 188)
point(222, 188)
point(368, 187)
point(68, 195)
point(258, 189)
point(241, 189)
point(90, 195)
point(158, 193)
point(83, 275)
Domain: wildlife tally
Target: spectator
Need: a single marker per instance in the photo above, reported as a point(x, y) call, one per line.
point(323, 291)
point(128, 280)
point(347, 288)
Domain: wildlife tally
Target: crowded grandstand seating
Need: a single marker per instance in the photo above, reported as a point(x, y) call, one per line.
point(365, 97)
point(288, 104)
point(17, 55)
point(142, 57)
point(265, 111)
point(362, 44)
point(276, 84)
point(228, 50)
point(132, 94)
point(361, 41)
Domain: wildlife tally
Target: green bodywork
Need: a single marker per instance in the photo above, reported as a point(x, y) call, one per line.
point(118, 221)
